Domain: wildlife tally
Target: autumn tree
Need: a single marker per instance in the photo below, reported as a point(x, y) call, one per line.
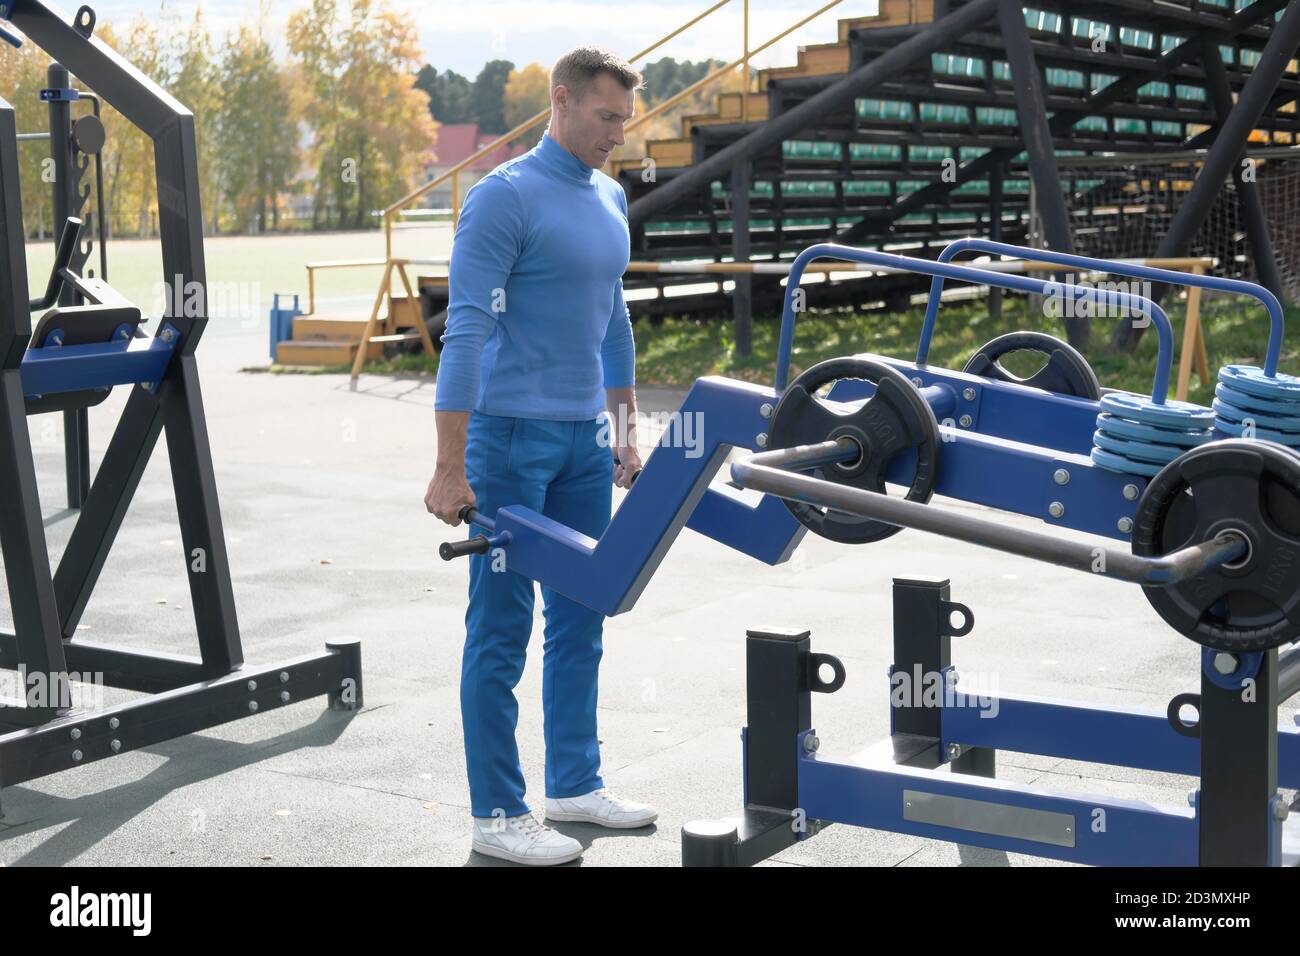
point(372, 131)
point(259, 139)
point(527, 93)
point(22, 77)
point(197, 85)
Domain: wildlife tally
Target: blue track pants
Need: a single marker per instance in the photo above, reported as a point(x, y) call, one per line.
point(562, 470)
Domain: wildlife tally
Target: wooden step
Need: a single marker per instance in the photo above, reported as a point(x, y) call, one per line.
point(619, 166)
point(857, 23)
point(822, 59)
point(320, 327)
point(729, 111)
point(403, 313)
point(891, 13)
point(729, 106)
point(670, 152)
point(321, 353)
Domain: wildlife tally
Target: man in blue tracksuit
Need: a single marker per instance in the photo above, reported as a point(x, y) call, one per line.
point(538, 348)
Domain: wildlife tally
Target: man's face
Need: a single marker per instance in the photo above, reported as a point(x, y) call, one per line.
point(593, 124)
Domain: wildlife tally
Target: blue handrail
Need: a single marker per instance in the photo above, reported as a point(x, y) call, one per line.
point(830, 250)
point(1216, 283)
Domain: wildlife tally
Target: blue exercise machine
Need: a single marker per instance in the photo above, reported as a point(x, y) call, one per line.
point(1210, 516)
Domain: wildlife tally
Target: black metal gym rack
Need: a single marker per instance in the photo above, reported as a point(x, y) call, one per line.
point(44, 733)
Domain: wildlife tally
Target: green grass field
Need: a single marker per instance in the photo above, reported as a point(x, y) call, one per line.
point(244, 271)
point(680, 350)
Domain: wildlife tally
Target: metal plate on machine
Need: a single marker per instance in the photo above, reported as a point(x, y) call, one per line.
point(980, 816)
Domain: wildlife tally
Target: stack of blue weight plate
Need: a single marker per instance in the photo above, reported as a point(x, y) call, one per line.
point(1138, 436)
point(1250, 404)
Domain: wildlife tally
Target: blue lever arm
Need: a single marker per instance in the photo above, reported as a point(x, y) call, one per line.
point(1216, 283)
point(827, 250)
point(609, 574)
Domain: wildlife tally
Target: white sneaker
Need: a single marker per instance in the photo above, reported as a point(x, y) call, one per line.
point(523, 840)
point(603, 808)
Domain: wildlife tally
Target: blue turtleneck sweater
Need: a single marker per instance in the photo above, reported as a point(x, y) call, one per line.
point(536, 324)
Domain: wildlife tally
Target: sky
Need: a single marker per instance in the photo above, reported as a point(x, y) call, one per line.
point(464, 35)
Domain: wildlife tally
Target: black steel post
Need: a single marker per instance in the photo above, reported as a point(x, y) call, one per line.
point(778, 710)
point(76, 438)
point(22, 537)
point(15, 315)
point(195, 484)
point(1238, 732)
point(996, 175)
point(1252, 209)
point(742, 295)
point(922, 669)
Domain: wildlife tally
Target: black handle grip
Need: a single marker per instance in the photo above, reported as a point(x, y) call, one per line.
point(635, 475)
point(475, 545)
point(455, 549)
point(67, 246)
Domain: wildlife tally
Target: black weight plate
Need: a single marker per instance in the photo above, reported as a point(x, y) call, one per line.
point(1067, 372)
point(1249, 486)
point(895, 420)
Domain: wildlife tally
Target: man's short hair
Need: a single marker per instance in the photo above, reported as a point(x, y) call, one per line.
point(577, 70)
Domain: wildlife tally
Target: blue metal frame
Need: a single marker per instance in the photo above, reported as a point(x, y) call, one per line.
point(69, 368)
point(1004, 447)
point(1005, 460)
point(1092, 296)
point(1136, 833)
point(1167, 276)
point(867, 790)
point(609, 575)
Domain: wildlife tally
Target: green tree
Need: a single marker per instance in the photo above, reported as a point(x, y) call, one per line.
point(489, 95)
point(197, 85)
point(22, 77)
point(666, 76)
point(259, 152)
point(131, 189)
point(450, 95)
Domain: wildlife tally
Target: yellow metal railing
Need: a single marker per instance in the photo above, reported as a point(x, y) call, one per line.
point(452, 175)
